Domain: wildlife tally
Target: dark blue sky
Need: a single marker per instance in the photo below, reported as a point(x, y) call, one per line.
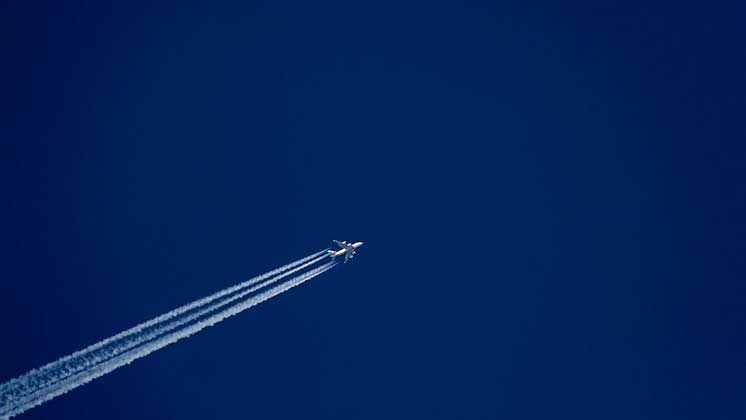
point(552, 200)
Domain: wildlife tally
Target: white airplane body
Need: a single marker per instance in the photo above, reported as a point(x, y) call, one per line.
point(347, 249)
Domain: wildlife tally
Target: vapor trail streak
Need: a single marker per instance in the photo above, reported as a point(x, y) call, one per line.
point(102, 354)
point(18, 407)
point(70, 363)
point(29, 390)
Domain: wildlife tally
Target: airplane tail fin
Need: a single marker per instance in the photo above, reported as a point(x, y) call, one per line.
point(330, 253)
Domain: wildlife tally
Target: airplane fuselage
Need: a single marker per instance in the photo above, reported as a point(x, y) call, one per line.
point(343, 251)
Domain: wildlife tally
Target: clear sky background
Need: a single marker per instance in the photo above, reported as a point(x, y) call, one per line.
point(551, 197)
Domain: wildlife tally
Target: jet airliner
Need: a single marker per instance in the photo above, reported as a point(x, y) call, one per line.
point(346, 248)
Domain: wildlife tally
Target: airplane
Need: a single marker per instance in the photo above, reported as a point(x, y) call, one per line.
point(347, 249)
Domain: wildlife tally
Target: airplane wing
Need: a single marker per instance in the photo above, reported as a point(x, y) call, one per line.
point(348, 256)
point(340, 244)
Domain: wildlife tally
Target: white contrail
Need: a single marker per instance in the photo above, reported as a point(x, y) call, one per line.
point(85, 361)
point(69, 362)
point(51, 373)
point(16, 407)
